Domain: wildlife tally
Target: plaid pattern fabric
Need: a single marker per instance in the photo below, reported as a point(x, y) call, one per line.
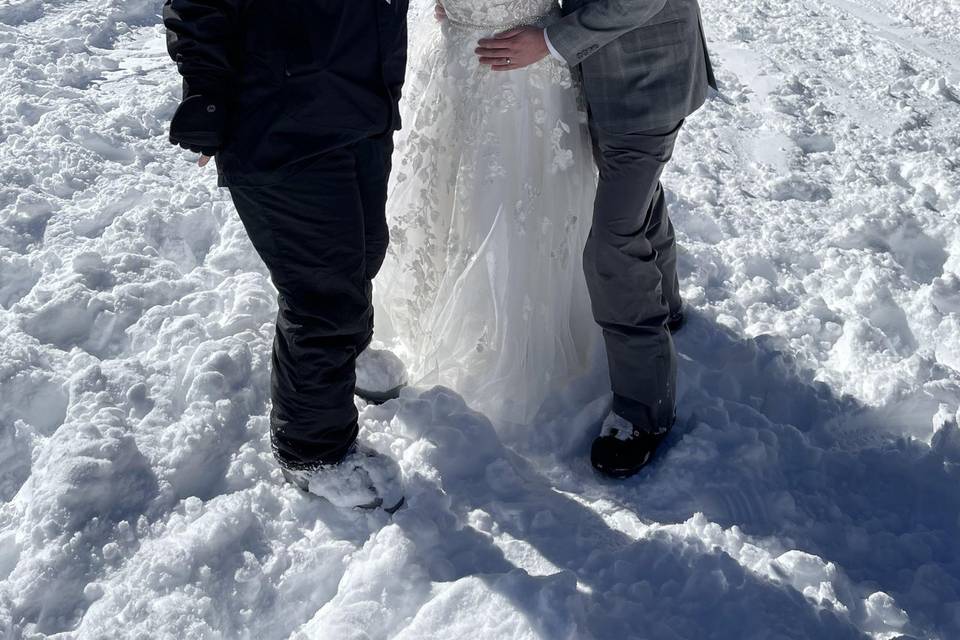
point(644, 62)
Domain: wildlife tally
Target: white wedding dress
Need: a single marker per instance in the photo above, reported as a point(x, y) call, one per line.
point(489, 207)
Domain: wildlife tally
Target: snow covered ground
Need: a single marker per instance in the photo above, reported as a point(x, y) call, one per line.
point(810, 489)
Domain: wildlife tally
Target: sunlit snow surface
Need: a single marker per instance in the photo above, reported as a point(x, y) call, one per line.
point(810, 489)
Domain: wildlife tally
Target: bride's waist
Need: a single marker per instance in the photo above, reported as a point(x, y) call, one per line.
point(478, 23)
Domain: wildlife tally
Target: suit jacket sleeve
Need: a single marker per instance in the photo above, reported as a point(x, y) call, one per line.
point(202, 37)
point(582, 33)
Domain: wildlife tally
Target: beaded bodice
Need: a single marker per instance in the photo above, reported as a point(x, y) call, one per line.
point(497, 14)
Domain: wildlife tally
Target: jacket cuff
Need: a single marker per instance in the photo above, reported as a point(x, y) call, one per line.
point(193, 86)
point(552, 49)
point(572, 42)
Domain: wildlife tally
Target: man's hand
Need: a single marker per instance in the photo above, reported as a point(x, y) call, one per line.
point(202, 162)
point(514, 49)
point(440, 13)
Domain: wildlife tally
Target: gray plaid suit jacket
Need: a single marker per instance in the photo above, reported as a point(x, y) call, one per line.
point(644, 62)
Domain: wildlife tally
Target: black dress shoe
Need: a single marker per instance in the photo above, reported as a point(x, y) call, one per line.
point(622, 450)
point(676, 321)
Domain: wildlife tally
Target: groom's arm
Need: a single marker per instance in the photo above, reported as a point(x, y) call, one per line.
point(202, 37)
point(577, 36)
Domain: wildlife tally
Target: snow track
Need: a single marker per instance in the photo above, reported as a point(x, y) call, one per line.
point(906, 27)
point(809, 490)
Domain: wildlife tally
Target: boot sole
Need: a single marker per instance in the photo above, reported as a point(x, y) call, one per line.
point(379, 397)
point(621, 474)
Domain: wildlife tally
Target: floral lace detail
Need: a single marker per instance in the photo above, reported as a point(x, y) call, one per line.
point(489, 208)
point(497, 14)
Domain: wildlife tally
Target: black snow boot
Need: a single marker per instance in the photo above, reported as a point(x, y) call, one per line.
point(622, 449)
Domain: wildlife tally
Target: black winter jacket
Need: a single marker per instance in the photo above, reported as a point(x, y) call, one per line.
point(290, 79)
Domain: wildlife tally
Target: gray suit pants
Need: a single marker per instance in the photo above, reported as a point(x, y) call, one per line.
point(630, 261)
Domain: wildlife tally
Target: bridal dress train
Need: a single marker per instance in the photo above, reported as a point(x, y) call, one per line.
point(489, 208)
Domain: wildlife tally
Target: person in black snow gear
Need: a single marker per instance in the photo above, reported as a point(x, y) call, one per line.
point(297, 102)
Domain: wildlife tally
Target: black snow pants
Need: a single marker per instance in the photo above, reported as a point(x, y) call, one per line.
point(323, 235)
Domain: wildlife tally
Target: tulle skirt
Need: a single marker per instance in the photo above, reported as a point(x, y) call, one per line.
point(489, 207)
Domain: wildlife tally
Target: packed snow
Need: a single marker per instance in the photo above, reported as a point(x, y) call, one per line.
point(809, 490)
